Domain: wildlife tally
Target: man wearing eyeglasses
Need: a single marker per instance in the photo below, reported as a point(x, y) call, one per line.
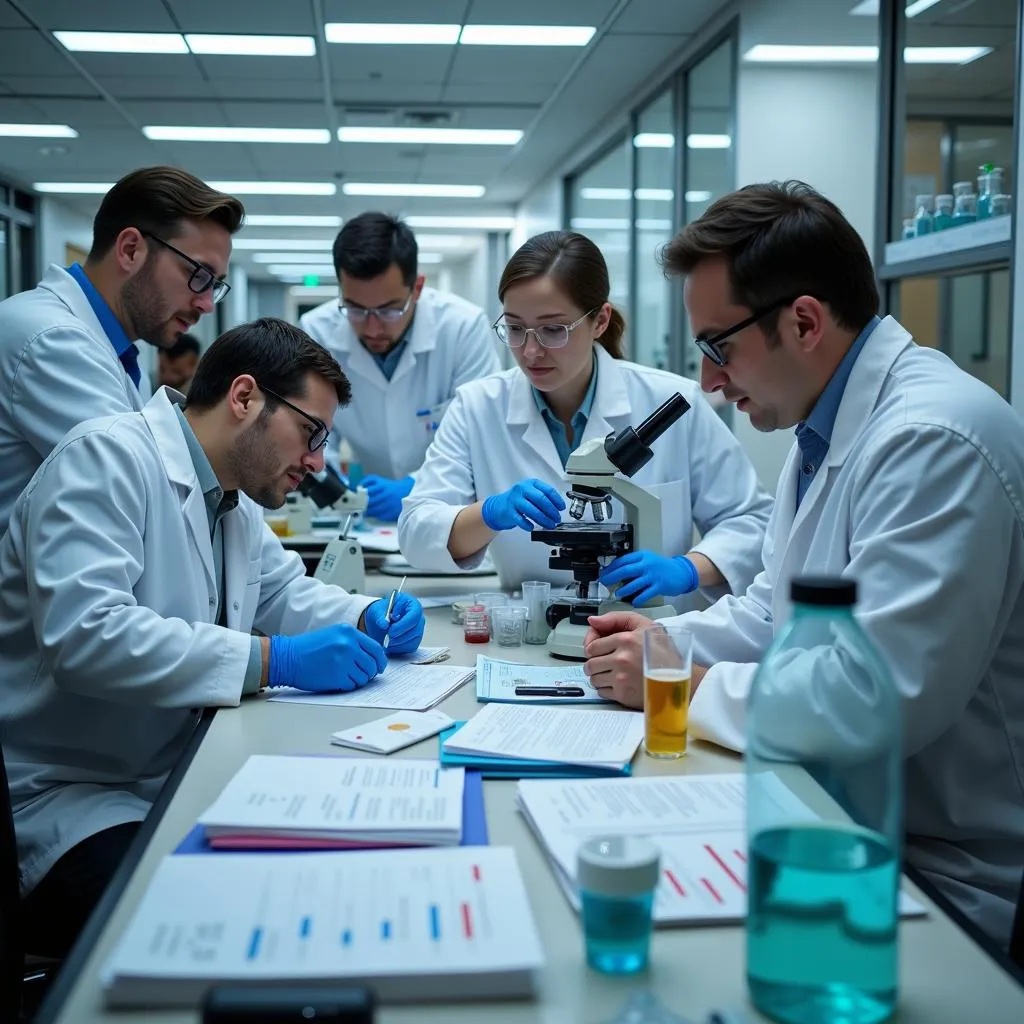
point(405, 347)
point(136, 569)
point(907, 476)
point(68, 347)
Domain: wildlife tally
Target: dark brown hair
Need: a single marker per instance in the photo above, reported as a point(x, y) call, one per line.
point(577, 266)
point(278, 355)
point(157, 200)
point(781, 240)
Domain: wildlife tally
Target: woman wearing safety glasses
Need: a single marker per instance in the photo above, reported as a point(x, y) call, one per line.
point(496, 467)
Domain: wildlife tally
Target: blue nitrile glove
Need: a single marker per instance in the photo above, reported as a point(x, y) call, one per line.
point(406, 626)
point(529, 502)
point(333, 658)
point(645, 575)
point(386, 497)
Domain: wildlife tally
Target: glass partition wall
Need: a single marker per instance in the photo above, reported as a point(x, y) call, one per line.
point(672, 159)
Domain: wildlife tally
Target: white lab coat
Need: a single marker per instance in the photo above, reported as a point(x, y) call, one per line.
point(449, 343)
point(493, 436)
point(108, 645)
point(57, 368)
point(921, 501)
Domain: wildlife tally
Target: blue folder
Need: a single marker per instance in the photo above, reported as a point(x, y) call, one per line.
point(474, 825)
point(512, 768)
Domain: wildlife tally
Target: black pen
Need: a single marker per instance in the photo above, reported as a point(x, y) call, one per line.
point(550, 691)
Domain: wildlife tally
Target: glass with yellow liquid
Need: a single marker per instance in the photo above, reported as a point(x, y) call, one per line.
point(668, 652)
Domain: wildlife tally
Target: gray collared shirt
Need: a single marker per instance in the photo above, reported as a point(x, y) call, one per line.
point(218, 504)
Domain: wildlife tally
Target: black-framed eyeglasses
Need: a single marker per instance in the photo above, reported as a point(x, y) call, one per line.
point(318, 437)
point(385, 314)
point(202, 279)
point(712, 347)
point(548, 335)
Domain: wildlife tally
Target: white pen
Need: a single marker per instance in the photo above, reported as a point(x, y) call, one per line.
point(391, 604)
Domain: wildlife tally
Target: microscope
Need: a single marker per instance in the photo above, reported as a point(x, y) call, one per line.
point(341, 564)
point(584, 547)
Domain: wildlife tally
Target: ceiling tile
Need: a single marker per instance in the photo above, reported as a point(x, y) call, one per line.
point(658, 17)
point(26, 52)
point(391, 63)
point(270, 69)
point(233, 16)
point(540, 12)
point(265, 89)
point(10, 18)
point(511, 64)
point(526, 95)
point(441, 12)
point(108, 16)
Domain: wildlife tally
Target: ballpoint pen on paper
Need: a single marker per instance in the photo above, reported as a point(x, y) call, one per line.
point(549, 691)
point(387, 615)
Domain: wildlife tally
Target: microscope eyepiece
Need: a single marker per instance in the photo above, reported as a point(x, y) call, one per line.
point(630, 448)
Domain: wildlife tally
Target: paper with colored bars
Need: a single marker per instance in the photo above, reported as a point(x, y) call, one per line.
point(499, 680)
point(413, 924)
point(402, 686)
point(337, 802)
point(697, 821)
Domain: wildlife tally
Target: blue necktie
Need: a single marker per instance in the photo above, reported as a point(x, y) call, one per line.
point(130, 361)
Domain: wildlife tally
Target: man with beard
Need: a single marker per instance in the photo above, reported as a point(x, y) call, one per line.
point(134, 571)
point(161, 243)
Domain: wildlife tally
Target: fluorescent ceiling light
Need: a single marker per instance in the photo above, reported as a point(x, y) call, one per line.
point(600, 223)
point(697, 196)
point(482, 223)
point(644, 194)
point(287, 257)
point(391, 35)
point(74, 188)
point(657, 195)
point(293, 269)
point(370, 188)
point(653, 224)
point(205, 133)
point(862, 54)
point(291, 220)
point(38, 131)
point(704, 141)
point(122, 42)
point(304, 244)
point(654, 140)
point(869, 8)
point(526, 35)
point(944, 54)
point(305, 291)
point(918, 6)
point(275, 188)
point(443, 241)
point(429, 257)
point(252, 46)
point(449, 136)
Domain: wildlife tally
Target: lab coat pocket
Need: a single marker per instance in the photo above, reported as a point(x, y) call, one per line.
point(251, 597)
point(676, 515)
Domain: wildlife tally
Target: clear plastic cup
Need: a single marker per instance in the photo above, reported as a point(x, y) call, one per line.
point(536, 597)
point(508, 625)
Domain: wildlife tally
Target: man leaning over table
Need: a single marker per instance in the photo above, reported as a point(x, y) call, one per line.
point(135, 571)
point(907, 475)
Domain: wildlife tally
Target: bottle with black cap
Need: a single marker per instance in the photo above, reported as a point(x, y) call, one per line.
point(824, 817)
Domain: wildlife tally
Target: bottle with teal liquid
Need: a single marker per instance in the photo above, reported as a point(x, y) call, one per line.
point(824, 721)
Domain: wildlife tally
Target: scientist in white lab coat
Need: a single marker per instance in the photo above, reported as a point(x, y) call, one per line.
point(136, 567)
point(160, 248)
point(405, 347)
point(907, 476)
point(496, 468)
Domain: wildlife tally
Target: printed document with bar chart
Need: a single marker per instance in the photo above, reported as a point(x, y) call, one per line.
point(413, 924)
point(697, 821)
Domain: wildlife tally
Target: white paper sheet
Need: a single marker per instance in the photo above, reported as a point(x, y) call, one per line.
point(498, 680)
point(542, 733)
point(340, 797)
point(697, 821)
point(402, 687)
point(414, 924)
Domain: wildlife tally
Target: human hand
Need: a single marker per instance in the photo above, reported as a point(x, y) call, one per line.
point(385, 496)
point(337, 657)
point(644, 575)
point(405, 628)
point(615, 658)
point(530, 502)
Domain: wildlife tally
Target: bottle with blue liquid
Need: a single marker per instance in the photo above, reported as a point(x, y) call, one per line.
point(822, 923)
point(923, 224)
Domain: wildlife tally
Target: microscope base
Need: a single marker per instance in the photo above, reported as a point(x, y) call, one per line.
point(565, 641)
point(342, 565)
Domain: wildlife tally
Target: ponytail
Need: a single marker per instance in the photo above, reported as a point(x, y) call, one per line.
point(611, 340)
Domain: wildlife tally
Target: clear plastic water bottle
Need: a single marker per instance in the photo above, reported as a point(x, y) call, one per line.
point(943, 211)
point(993, 188)
point(923, 216)
point(983, 191)
point(824, 720)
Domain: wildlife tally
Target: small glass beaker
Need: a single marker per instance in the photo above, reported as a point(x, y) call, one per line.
point(476, 628)
point(490, 600)
point(508, 624)
point(536, 597)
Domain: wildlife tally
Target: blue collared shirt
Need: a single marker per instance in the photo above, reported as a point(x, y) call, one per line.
point(126, 350)
point(218, 503)
point(578, 422)
point(388, 362)
point(814, 434)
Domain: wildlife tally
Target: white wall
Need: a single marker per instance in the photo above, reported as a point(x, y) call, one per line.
point(469, 279)
point(541, 210)
point(819, 125)
point(59, 226)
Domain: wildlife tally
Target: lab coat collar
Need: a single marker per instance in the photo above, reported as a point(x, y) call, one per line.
point(67, 290)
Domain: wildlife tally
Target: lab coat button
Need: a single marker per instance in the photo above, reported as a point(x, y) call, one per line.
point(235, 606)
